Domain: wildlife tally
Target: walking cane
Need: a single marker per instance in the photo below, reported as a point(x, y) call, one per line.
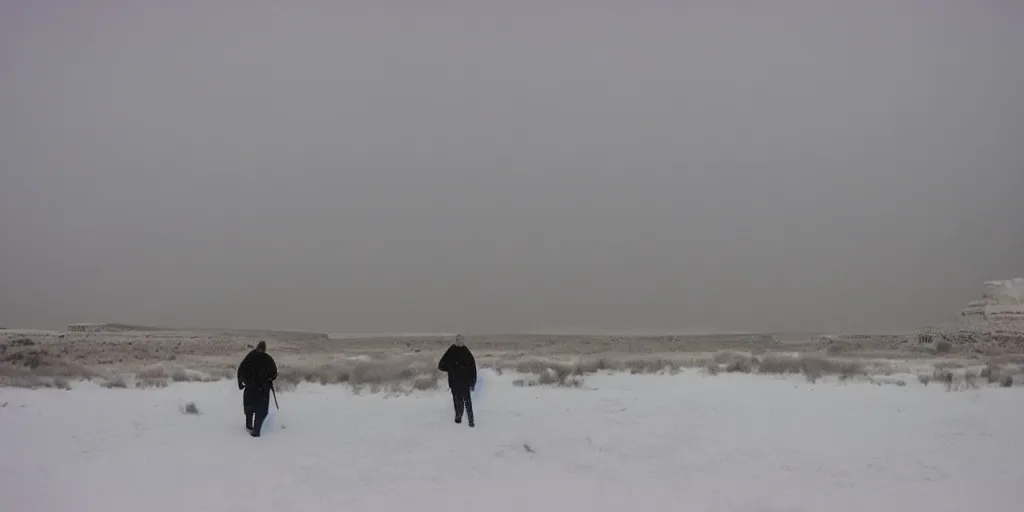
point(275, 396)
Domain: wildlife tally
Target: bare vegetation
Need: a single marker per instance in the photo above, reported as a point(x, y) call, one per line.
point(150, 382)
point(156, 358)
point(190, 408)
point(115, 382)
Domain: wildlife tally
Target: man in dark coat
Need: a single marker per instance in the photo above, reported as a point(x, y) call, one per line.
point(256, 375)
point(458, 362)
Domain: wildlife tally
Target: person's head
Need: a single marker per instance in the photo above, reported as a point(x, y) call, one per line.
point(261, 346)
point(460, 340)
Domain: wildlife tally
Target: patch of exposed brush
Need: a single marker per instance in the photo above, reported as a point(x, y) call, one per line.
point(999, 374)
point(190, 408)
point(401, 375)
point(550, 379)
point(174, 373)
point(736, 362)
point(37, 367)
point(955, 380)
point(115, 382)
point(13, 376)
point(150, 382)
point(812, 367)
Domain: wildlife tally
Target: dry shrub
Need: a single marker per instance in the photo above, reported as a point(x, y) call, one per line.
point(560, 370)
point(942, 375)
point(22, 367)
point(843, 347)
point(736, 362)
point(20, 377)
point(812, 367)
point(712, 368)
point(152, 372)
point(924, 378)
point(425, 382)
point(150, 382)
point(550, 379)
point(964, 381)
point(397, 375)
point(956, 381)
point(992, 373)
point(376, 373)
point(32, 359)
point(190, 408)
point(222, 373)
point(651, 366)
point(590, 366)
point(115, 382)
point(739, 367)
point(162, 372)
point(1008, 359)
point(179, 374)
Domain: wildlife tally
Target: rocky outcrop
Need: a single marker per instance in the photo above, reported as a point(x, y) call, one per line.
point(994, 322)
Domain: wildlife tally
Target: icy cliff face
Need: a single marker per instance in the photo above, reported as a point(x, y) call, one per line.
point(996, 321)
point(1001, 302)
point(1008, 291)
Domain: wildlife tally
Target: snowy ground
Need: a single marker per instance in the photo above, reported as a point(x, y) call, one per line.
point(657, 442)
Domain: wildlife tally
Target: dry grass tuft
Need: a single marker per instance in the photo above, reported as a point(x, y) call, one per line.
point(150, 382)
point(570, 382)
point(20, 377)
point(190, 408)
point(813, 367)
point(942, 375)
point(426, 382)
point(115, 382)
point(61, 383)
point(995, 373)
point(712, 368)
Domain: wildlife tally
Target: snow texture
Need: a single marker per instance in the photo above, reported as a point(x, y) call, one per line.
point(688, 442)
point(1008, 291)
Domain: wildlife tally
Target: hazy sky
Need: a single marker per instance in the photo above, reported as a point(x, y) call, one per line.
point(508, 166)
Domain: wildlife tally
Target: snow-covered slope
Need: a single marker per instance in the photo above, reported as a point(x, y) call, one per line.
point(685, 442)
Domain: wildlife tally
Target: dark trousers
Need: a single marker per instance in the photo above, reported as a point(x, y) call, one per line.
point(463, 402)
point(256, 403)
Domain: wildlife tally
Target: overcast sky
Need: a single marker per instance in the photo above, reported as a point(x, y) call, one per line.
point(508, 166)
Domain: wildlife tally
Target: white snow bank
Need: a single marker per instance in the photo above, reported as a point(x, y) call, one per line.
point(686, 442)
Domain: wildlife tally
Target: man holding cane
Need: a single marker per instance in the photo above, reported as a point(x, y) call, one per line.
point(256, 375)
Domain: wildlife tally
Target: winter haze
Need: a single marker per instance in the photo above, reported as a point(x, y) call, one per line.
point(508, 167)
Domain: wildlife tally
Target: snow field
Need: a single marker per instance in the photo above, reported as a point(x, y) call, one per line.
point(733, 442)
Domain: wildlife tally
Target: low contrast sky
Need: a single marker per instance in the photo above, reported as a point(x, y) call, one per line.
point(357, 166)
